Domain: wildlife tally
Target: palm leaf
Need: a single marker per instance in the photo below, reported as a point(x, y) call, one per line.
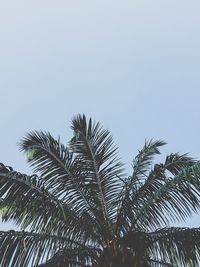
point(175, 199)
point(175, 162)
point(21, 248)
point(59, 170)
point(160, 263)
point(94, 146)
point(26, 200)
point(173, 246)
point(143, 161)
point(82, 257)
point(136, 198)
point(178, 245)
point(142, 164)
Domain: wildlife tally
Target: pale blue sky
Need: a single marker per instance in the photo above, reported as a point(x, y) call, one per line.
point(133, 65)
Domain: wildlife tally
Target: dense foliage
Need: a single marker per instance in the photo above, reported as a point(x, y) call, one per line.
point(80, 209)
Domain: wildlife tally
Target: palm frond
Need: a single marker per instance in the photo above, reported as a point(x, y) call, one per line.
point(26, 200)
point(94, 146)
point(51, 159)
point(175, 199)
point(180, 246)
point(59, 170)
point(157, 177)
point(160, 263)
point(24, 248)
point(135, 197)
point(167, 247)
point(175, 162)
point(142, 164)
point(81, 257)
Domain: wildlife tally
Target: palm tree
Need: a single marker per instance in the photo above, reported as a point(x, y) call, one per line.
point(79, 209)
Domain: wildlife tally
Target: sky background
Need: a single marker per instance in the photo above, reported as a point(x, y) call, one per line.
point(133, 65)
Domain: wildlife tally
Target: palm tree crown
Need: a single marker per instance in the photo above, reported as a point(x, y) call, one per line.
point(79, 209)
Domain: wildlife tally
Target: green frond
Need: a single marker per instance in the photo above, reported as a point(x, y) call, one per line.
point(135, 198)
point(94, 147)
point(24, 248)
point(142, 164)
point(81, 257)
point(144, 160)
point(175, 162)
point(172, 247)
point(26, 200)
point(160, 263)
point(175, 198)
point(60, 171)
point(180, 246)
point(51, 159)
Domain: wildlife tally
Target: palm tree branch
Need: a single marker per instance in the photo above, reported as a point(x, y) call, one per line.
point(55, 157)
point(177, 244)
point(167, 201)
point(20, 248)
point(69, 257)
point(141, 165)
point(94, 146)
point(174, 163)
point(58, 169)
point(157, 176)
point(168, 195)
point(143, 161)
point(102, 199)
point(159, 263)
point(27, 201)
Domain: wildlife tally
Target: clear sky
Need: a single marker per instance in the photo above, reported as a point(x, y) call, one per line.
point(133, 65)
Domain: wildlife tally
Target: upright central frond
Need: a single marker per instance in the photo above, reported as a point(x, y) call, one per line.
point(94, 146)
